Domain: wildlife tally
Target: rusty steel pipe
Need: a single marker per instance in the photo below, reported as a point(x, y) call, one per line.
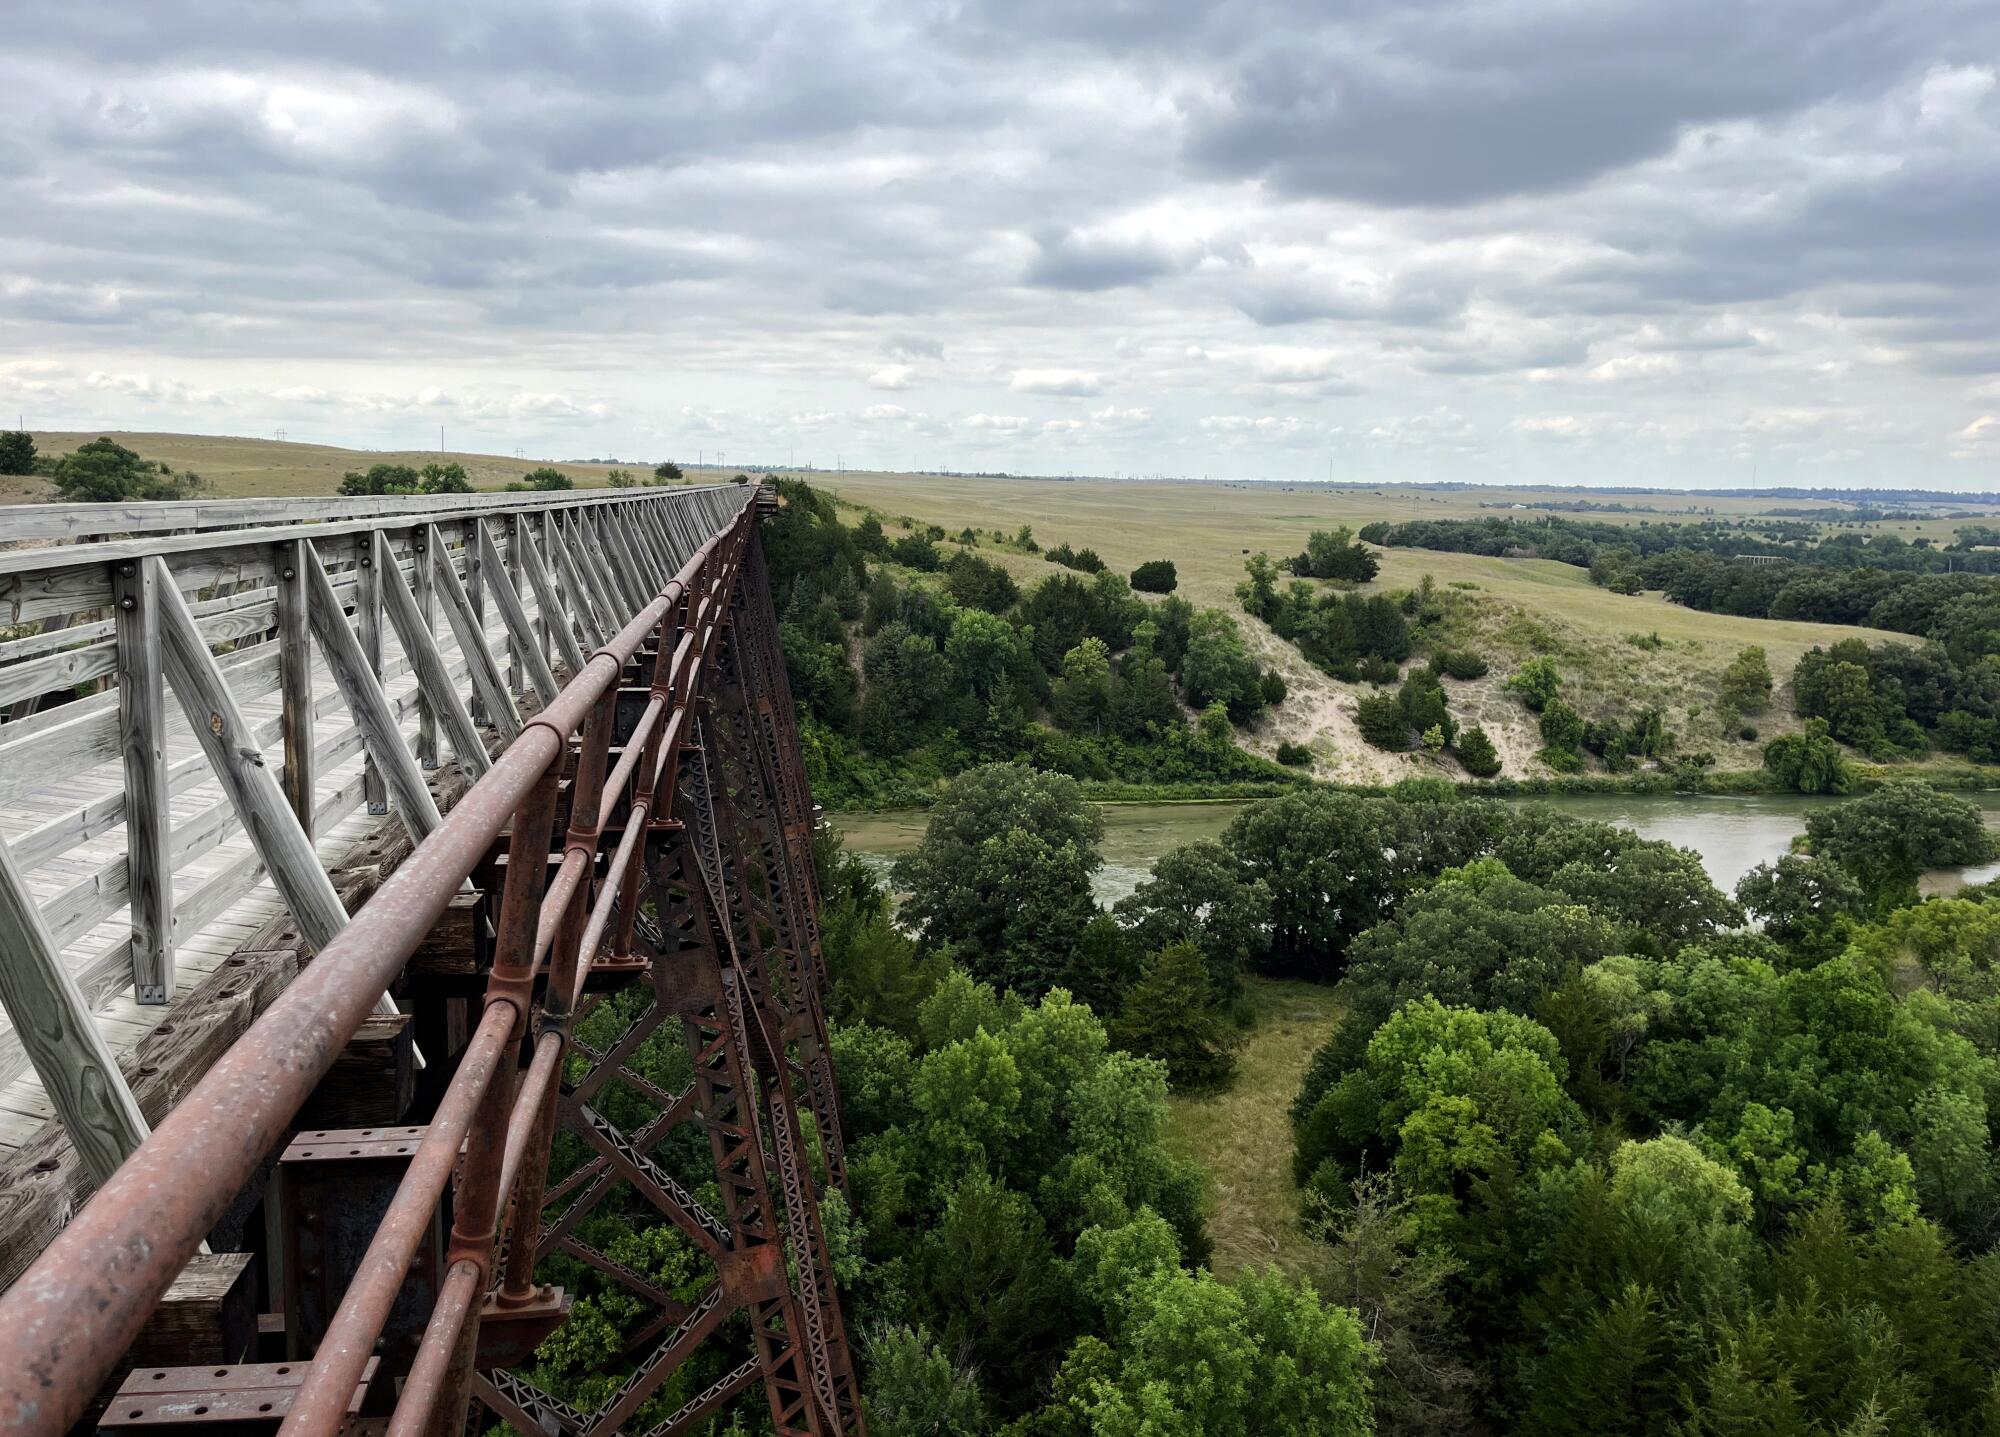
point(429, 1373)
point(65, 1322)
point(329, 1383)
point(628, 761)
point(517, 1283)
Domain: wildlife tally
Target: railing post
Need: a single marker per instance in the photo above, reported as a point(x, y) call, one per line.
point(475, 593)
point(424, 586)
point(368, 613)
point(142, 716)
point(295, 678)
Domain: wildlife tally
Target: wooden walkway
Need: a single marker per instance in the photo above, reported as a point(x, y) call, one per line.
point(569, 577)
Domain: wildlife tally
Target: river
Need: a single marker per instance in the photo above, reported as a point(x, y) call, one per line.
point(1733, 834)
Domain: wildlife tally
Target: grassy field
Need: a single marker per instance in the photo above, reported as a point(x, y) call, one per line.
point(241, 468)
point(1243, 1136)
point(1620, 653)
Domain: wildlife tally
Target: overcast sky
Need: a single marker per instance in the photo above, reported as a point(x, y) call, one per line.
point(1679, 241)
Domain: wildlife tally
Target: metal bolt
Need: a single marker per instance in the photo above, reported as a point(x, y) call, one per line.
point(128, 569)
point(128, 603)
point(291, 573)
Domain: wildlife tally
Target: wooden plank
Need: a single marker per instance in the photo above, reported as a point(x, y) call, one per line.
point(368, 622)
point(525, 651)
point(389, 756)
point(412, 508)
point(517, 658)
point(208, 1316)
point(486, 679)
point(295, 677)
point(583, 603)
point(226, 737)
point(371, 1083)
point(53, 1023)
point(440, 694)
point(475, 593)
point(550, 610)
point(426, 601)
point(203, 516)
point(142, 733)
point(57, 671)
point(632, 571)
point(590, 560)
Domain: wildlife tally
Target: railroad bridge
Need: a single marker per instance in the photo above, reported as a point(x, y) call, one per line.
point(304, 895)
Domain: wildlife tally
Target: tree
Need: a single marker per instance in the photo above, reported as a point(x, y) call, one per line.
point(1169, 1014)
point(1746, 683)
point(546, 477)
point(667, 472)
point(1336, 554)
point(1080, 698)
point(916, 552)
point(1422, 701)
point(1809, 762)
point(1217, 669)
point(621, 479)
point(443, 478)
point(1801, 899)
point(104, 471)
point(17, 453)
point(1003, 873)
point(381, 479)
point(1537, 682)
point(1401, 1293)
point(1195, 894)
point(1156, 576)
point(914, 1390)
point(1562, 733)
point(1888, 838)
point(1476, 752)
point(979, 583)
point(1380, 718)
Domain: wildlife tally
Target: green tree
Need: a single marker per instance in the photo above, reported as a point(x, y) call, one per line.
point(1476, 752)
point(443, 478)
point(1080, 698)
point(1336, 554)
point(1801, 900)
point(1003, 873)
point(913, 1390)
point(1746, 683)
point(1380, 718)
point(667, 472)
point(1156, 576)
point(1217, 669)
point(1809, 762)
point(104, 471)
point(17, 452)
point(979, 583)
point(1170, 1014)
point(1537, 682)
point(1888, 838)
point(1196, 894)
point(621, 479)
point(547, 477)
point(1562, 732)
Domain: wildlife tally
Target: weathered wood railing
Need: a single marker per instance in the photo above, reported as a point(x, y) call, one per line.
point(98, 770)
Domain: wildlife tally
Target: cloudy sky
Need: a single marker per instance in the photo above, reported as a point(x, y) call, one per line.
point(1665, 241)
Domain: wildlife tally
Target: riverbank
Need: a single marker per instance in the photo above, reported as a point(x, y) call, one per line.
point(1949, 774)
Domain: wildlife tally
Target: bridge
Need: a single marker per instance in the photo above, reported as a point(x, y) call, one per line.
point(332, 939)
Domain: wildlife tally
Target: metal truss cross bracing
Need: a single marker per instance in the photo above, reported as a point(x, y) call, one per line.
point(637, 857)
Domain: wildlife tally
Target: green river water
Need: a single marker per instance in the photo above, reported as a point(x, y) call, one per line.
point(1732, 834)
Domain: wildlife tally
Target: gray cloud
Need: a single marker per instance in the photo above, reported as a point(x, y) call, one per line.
point(1473, 226)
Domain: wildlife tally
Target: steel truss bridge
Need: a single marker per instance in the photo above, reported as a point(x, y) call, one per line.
point(302, 901)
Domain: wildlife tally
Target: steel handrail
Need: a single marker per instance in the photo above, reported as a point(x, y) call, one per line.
point(68, 1319)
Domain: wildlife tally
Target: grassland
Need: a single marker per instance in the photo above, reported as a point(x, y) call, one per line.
point(1241, 1134)
point(1621, 653)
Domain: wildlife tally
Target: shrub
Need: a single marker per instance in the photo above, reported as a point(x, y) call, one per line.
point(547, 478)
point(1380, 719)
point(17, 455)
point(1476, 752)
point(1459, 663)
point(1748, 733)
point(104, 471)
point(1746, 683)
point(1537, 681)
point(916, 552)
point(1295, 755)
point(667, 473)
point(621, 478)
point(1156, 576)
point(1272, 685)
